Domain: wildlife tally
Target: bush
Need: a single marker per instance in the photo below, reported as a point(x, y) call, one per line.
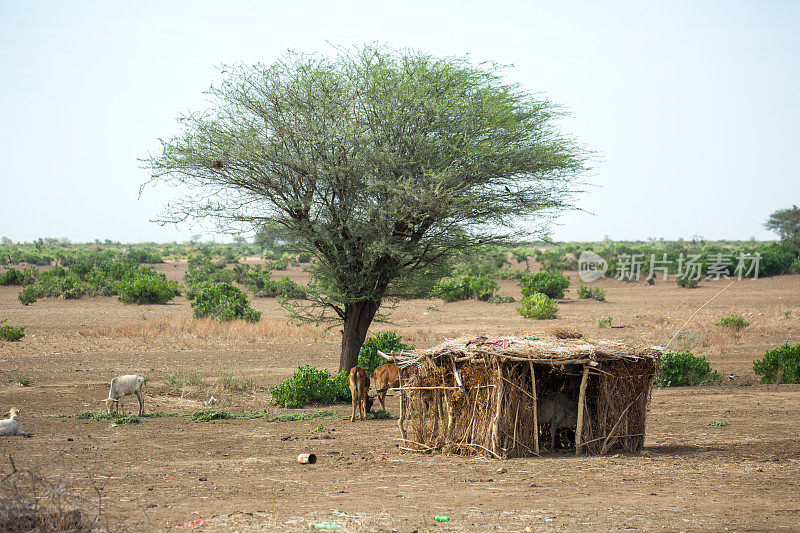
point(605, 321)
point(54, 283)
point(686, 283)
point(681, 369)
point(479, 287)
point(146, 286)
point(538, 306)
point(385, 341)
point(223, 301)
point(449, 290)
point(595, 293)
point(796, 266)
point(304, 257)
point(733, 322)
point(779, 365)
point(10, 333)
point(18, 277)
point(311, 385)
point(551, 284)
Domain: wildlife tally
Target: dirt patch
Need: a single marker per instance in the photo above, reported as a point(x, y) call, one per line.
point(243, 474)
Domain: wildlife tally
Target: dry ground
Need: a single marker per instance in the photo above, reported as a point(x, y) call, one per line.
point(242, 475)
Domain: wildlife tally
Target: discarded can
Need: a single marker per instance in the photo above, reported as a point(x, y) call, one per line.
point(306, 458)
point(441, 518)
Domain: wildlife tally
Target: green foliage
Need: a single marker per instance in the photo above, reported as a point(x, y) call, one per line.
point(207, 416)
point(145, 255)
point(11, 333)
point(385, 341)
point(786, 223)
point(551, 284)
point(796, 265)
point(736, 323)
point(538, 306)
point(304, 257)
point(12, 276)
point(605, 321)
point(502, 299)
point(452, 290)
point(779, 365)
point(310, 385)
point(719, 423)
point(381, 414)
point(686, 282)
point(146, 286)
point(681, 369)
point(23, 380)
point(594, 293)
point(223, 301)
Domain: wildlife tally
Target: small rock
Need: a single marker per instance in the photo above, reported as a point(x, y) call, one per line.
point(70, 439)
point(502, 470)
point(202, 478)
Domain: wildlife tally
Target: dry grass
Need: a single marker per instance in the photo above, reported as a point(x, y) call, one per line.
point(208, 329)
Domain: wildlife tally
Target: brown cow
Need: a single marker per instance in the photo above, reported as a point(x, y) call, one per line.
point(359, 391)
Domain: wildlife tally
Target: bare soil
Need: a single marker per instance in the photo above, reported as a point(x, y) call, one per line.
point(243, 474)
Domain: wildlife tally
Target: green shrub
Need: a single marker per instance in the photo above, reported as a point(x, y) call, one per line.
point(450, 290)
point(223, 301)
point(10, 333)
point(681, 369)
point(735, 323)
point(796, 265)
point(28, 295)
point(605, 321)
point(304, 257)
point(779, 365)
point(551, 284)
point(311, 385)
point(385, 341)
point(145, 255)
point(502, 299)
point(538, 306)
point(468, 286)
point(686, 283)
point(595, 293)
point(146, 286)
point(12, 276)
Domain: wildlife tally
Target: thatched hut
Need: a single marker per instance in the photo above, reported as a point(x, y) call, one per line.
point(479, 396)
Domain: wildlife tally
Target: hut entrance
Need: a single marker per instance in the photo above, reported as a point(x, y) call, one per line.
point(505, 397)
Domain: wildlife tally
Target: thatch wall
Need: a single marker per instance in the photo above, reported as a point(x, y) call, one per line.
point(478, 396)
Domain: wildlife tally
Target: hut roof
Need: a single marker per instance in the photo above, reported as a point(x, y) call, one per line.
point(540, 349)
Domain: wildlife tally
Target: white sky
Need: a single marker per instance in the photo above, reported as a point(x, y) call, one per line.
point(691, 106)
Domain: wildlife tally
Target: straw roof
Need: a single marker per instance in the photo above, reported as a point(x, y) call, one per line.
point(552, 350)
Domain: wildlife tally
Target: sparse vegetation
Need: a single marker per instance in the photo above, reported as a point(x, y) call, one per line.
point(468, 286)
point(682, 369)
point(183, 379)
point(779, 365)
point(735, 323)
point(594, 293)
point(719, 423)
point(538, 306)
point(686, 282)
point(605, 321)
point(11, 333)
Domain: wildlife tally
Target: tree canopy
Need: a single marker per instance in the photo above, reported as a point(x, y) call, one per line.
point(379, 162)
point(786, 223)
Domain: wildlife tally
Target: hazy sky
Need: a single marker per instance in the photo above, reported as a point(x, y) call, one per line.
point(691, 106)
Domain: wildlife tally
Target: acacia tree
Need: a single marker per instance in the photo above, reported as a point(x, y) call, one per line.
point(382, 163)
point(786, 223)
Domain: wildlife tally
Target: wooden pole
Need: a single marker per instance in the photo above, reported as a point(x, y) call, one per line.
point(581, 402)
point(535, 413)
point(498, 406)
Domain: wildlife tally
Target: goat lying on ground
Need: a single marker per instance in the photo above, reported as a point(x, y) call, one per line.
point(359, 390)
point(122, 386)
point(10, 426)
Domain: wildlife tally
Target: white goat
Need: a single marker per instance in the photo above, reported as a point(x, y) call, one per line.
point(122, 386)
point(11, 426)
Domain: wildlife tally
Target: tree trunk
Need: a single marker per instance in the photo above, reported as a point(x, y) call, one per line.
point(357, 318)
